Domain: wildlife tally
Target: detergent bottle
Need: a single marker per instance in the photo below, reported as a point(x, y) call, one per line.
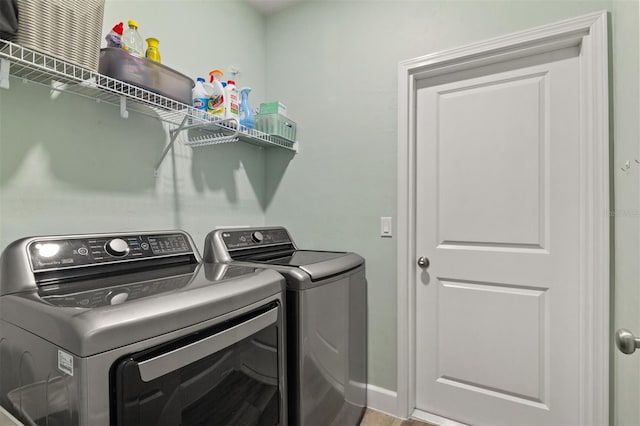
point(132, 41)
point(114, 38)
point(216, 106)
point(200, 97)
point(152, 50)
point(246, 114)
point(232, 99)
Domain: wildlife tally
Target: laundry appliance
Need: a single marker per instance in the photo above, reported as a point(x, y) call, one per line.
point(132, 329)
point(326, 301)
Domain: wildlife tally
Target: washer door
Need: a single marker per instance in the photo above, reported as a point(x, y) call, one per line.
point(227, 374)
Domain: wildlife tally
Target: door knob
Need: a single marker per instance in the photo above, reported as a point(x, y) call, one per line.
point(423, 262)
point(626, 341)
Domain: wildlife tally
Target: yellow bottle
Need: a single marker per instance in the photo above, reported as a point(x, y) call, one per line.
point(152, 50)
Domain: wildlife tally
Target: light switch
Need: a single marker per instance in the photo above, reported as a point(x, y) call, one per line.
point(386, 227)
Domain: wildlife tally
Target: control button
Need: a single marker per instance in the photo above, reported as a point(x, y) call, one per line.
point(117, 298)
point(117, 247)
point(144, 246)
point(82, 251)
point(257, 237)
point(47, 249)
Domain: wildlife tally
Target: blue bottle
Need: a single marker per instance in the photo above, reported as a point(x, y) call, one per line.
point(246, 115)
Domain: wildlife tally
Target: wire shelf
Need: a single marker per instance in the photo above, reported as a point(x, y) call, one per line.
point(210, 133)
point(61, 76)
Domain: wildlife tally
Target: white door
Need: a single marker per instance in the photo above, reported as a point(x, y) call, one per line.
point(498, 218)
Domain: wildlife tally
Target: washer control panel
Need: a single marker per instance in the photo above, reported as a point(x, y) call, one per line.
point(117, 247)
point(53, 254)
point(245, 238)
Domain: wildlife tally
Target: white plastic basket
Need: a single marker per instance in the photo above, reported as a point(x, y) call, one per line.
point(68, 29)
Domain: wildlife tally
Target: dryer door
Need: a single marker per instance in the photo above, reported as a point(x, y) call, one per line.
point(227, 374)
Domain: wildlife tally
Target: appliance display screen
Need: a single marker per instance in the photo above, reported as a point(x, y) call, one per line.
point(168, 244)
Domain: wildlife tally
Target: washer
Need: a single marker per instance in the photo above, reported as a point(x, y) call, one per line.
point(326, 301)
point(131, 329)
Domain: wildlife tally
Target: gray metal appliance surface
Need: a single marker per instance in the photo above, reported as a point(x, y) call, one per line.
point(131, 329)
point(326, 301)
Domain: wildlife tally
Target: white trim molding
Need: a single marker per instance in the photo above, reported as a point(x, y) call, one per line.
point(435, 420)
point(381, 399)
point(589, 32)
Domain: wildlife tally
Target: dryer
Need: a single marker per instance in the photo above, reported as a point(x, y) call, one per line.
point(130, 328)
point(326, 300)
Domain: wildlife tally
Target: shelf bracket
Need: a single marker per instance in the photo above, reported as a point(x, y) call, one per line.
point(57, 87)
point(174, 135)
point(123, 107)
point(4, 73)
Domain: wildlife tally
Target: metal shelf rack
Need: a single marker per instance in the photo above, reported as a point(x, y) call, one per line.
point(61, 76)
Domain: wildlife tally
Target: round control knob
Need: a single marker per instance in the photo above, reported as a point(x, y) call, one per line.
point(117, 247)
point(257, 237)
point(116, 298)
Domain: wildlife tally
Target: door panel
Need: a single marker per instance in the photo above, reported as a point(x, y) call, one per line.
point(502, 212)
point(520, 371)
point(498, 216)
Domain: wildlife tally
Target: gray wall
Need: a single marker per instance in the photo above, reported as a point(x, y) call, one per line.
point(625, 94)
point(71, 165)
point(334, 63)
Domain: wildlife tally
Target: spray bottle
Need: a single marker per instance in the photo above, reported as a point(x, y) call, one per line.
point(246, 114)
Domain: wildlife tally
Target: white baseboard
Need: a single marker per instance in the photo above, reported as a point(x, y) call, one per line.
point(381, 399)
point(7, 419)
point(434, 419)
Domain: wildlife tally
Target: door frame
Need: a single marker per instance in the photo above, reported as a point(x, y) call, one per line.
point(590, 33)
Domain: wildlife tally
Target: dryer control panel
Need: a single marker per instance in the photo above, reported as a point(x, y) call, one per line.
point(73, 252)
point(250, 238)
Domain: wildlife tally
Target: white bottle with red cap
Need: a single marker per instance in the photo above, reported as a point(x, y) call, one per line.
point(231, 98)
